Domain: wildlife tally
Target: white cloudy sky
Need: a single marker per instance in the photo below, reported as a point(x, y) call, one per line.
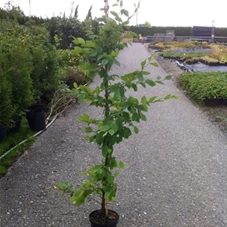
point(157, 12)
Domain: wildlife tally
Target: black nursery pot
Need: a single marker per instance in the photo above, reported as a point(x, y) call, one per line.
point(36, 119)
point(3, 133)
point(97, 220)
point(17, 125)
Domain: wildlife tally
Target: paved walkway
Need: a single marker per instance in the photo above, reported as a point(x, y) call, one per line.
point(176, 173)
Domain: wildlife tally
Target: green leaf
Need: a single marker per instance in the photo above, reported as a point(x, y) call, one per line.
point(144, 107)
point(59, 186)
point(155, 64)
point(127, 133)
point(126, 116)
point(159, 82)
point(169, 96)
point(105, 151)
point(99, 138)
point(89, 43)
point(75, 85)
point(121, 165)
point(116, 62)
point(77, 50)
point(169, 77)
point(136, 117)
point(81, 97)
point(81, 41)
point(143, 117)
point(143, 63)
point(88, 129)
point(111, 132)
point(84, 118)
point(144, 99)
point(116, 174)
point(125, 12)
point(150, 82)
point(104, 128)
point(105, 61)
point(152, 99)
point(114, 13)
point(145, 73)
point(136, 130)
point(77, 198)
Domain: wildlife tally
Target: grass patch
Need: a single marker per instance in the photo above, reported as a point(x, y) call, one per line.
point(12, 140)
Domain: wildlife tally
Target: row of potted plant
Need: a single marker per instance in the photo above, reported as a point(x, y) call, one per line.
point(28, 71)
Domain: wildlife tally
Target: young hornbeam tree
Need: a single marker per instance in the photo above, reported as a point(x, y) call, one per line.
point(121, 111)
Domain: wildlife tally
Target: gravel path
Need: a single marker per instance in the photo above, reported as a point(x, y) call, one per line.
point(176, 173)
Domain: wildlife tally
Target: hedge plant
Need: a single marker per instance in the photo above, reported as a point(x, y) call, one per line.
point(16, 64)
point(201, 86)
point(5, 99)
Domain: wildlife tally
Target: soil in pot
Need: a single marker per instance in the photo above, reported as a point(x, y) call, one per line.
point(98, 220)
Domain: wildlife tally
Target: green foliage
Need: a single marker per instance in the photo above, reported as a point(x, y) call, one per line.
point(16, 63)
point(187, 57)
point(65, 29)
point(202, 85)
point(45, 74)
point(73, 75)
point(148, 24)
point(149, 31)
point(121, 112)
point(5, 98)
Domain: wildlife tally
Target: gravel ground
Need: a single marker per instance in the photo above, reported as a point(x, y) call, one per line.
point(176, 173)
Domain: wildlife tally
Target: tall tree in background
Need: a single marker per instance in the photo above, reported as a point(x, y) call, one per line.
point(89, 16)
point(147, 24)
point(76, 12)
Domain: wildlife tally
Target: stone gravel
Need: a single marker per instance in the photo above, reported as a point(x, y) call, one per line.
point(175, 175)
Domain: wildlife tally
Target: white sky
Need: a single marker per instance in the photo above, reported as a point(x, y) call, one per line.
point(156, 12)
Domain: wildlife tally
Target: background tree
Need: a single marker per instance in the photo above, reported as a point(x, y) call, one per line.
point(89, 16)
point(76, 12)
point(147, 24)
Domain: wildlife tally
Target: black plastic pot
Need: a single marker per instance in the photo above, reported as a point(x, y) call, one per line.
point(3, 132)
point(16, 126)
point(36, 119)
point(97, 220)
point(214, 102)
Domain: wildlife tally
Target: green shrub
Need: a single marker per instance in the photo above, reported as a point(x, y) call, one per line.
point(45, 74)
point(5, 98)
point(16, 65)
point(73, 75)
point(18, 68)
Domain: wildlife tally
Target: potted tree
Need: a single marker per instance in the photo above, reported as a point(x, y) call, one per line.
point(121, 113)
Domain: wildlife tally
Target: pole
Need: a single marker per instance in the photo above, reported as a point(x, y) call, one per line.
point(30, 10)
point(212, 31)
point(106, 7)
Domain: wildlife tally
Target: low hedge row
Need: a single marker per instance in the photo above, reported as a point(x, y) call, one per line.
point(202, 86)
